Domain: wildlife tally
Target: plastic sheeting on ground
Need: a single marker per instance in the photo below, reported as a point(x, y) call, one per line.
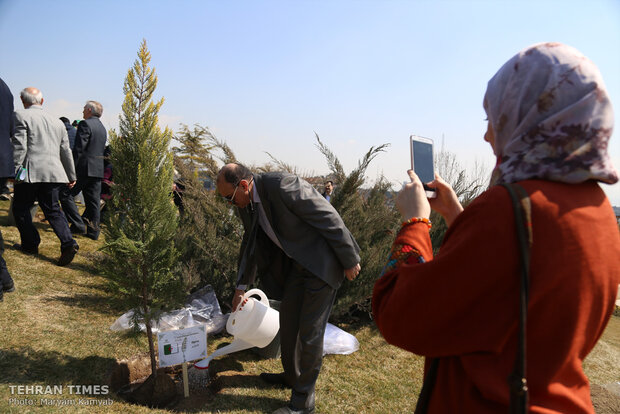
point(201, 307)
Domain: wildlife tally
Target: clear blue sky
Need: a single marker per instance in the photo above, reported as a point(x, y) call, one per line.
point(264, 75)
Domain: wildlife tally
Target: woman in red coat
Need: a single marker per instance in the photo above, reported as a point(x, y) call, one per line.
point(550, 121)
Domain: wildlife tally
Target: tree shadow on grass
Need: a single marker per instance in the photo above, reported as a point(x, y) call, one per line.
point(11, 244)
point(92, 268)
point(100, 303)
point(27, 366)
point(93, 263)
point(99, 300)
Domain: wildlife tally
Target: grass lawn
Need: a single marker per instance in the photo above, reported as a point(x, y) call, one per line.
point(54, 330)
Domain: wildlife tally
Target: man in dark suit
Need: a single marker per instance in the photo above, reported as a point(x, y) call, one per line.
point(71, 131)
point(88, 151)
point(327, 192)
point(295, 239)
point(42, 158)
point(6, 171)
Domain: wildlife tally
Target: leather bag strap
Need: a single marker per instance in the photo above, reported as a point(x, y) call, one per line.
point(517, 380)
point(424, 398)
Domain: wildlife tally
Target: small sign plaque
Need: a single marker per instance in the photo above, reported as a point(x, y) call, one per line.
point(182, 345)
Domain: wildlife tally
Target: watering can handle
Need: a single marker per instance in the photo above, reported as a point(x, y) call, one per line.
point(258, 292)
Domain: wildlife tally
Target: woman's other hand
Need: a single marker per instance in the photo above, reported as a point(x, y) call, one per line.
point(446, 202)
point(411, 201)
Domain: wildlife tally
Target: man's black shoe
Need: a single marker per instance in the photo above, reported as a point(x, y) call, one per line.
point(67, 255)
point(92, 236)
point(275, 379)
point(8, 288)
point(32, 250)
point(76, 230)
point(92, 231)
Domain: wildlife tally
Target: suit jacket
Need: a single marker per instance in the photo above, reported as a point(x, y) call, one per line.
point(71, 131)
point(307, 226)
point(41, 144)
point(6, 130)
point(89, 146)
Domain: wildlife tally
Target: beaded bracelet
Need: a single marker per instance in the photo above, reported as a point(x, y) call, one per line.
point(402, 253)
point(413, 220)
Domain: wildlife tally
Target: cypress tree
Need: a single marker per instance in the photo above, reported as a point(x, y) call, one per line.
point(140, 250)
point(194, 152)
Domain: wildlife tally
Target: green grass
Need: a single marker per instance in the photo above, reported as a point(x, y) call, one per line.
point(54, 329)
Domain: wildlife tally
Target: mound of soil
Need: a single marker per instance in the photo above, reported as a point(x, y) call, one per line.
point(132, 381)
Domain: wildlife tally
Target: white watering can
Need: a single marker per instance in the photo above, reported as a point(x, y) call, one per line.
point(253, 324)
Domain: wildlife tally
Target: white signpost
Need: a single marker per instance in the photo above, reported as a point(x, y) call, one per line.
point(180, 346)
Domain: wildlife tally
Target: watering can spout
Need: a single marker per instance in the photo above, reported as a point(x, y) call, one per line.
point(236, 345)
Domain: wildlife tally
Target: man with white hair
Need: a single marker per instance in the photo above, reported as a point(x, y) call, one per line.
point(88, 151)
point(43, 165)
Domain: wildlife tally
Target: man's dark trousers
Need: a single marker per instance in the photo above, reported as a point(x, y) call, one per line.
point(24, 196)
point(306, 304)
point(5, 277)
point(91, 189)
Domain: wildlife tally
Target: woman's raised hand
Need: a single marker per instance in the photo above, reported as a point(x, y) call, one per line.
point(446, 202)
point(411, 201)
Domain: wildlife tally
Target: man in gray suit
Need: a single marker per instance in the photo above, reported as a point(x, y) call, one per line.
point(6, 171)
point(299, 245)
point(43, 159)
point(88, 156)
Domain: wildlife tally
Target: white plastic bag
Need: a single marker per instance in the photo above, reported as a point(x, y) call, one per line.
point(202, 308)
point(337, 341)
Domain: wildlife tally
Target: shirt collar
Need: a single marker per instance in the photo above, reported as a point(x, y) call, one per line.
point(255, 197)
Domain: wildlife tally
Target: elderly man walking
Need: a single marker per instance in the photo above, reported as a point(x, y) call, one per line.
point(300, 246)
point(88, 156)
point(43, 164)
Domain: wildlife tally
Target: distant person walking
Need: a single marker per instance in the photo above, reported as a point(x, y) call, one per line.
point(6, 171)
point(41, 149)
point(88, 156)
point(71, 131)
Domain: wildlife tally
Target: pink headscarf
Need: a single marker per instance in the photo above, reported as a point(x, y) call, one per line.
point(551, 116)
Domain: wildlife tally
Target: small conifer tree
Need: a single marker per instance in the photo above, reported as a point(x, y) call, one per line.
point(140, 249)
point(194, 152)
point(209, 235)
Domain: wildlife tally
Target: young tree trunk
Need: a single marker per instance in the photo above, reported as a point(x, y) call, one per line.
point(149, 330)
point(149, 334)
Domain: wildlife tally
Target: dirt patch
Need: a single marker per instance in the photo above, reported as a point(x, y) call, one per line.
point(130, 379)
point(155, 391)
point(128, 371)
